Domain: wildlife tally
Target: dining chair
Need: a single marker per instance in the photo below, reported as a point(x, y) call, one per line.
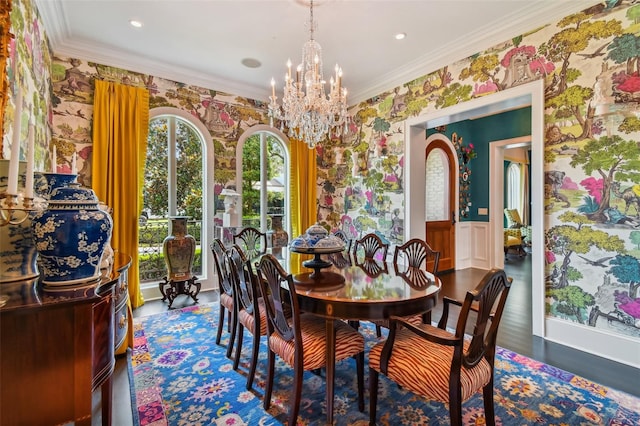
point(372, 267)
point(251, 241)
point(372, 247)
point(343, 236)
point(441, 365)
point(341, 259)
point(250, 310)
point(417, 253)
point(227, 300)
point(285, 331)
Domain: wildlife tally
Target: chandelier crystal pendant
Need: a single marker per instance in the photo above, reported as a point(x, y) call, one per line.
point(309, 114)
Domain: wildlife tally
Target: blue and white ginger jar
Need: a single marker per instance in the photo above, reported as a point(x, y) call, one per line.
point(70, 236)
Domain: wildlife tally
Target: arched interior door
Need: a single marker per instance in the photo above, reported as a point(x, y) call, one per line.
point(441, 178)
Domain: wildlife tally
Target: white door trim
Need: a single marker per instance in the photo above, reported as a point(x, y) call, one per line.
point(531, 94)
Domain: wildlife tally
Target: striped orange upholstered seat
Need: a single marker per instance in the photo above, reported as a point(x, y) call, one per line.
point(313, 332)
point(440, 365)
point(250, 308)
point(415, 358)
point(226, 300)
point(298, 338)
point(248, 320)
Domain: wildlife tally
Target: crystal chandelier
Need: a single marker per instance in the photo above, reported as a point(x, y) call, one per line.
point(306, 110)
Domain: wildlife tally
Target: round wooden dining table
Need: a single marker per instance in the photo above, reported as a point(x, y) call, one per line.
point(365, 290)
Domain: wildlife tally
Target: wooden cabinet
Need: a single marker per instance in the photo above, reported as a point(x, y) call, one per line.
point(56, 348)
point(122, 311)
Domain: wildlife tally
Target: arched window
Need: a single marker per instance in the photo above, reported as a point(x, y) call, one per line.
point(175, 184)
point(263, 177)
point(514, 187)
point(437, 188)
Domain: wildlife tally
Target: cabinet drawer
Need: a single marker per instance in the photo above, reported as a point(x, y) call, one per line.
point(121, 323)
point(122, 288)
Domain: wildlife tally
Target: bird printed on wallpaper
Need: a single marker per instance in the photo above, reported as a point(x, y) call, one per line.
point(598, 52)
point(599, 262)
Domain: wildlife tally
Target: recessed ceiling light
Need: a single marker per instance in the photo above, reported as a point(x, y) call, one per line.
point(400, 36)
point(135, 23)
point(251, 63)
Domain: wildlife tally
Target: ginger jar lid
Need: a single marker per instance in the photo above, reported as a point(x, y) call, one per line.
point(73, 195)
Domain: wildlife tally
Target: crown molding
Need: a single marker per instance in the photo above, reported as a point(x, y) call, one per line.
point(537, 15)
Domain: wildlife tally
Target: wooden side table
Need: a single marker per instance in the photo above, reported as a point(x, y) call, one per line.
point(170, 289)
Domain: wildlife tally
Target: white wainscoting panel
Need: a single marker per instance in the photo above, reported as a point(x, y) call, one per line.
point(463, 248)
point(481, 256)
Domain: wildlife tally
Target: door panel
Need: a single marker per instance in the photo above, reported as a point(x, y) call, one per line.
point(440, 188)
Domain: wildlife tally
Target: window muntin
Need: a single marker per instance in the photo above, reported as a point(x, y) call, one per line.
point(437, 186)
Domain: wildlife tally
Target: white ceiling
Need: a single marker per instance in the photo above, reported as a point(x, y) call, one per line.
point(203, 42)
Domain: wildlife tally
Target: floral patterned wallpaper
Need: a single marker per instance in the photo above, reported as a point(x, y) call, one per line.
point(224, 115)
point(28, 71)
point(589, 62)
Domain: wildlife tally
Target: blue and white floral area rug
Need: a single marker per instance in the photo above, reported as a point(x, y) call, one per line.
point(180, 376)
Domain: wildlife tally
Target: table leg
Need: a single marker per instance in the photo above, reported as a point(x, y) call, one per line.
point(331, 362)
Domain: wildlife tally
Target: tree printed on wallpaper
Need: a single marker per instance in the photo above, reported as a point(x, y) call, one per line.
point(620, 305)
point(615, 160)
point(581, 79)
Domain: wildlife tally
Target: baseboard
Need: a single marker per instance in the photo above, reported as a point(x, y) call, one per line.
point(625, 350)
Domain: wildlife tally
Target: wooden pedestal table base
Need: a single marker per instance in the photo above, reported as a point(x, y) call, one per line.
point(170, 289)
point(318, 279)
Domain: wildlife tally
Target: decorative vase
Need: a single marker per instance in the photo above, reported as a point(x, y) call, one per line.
point(17, 253)
point(278, 237)
point(44, 183)
point(179, 250)
point(70, 236)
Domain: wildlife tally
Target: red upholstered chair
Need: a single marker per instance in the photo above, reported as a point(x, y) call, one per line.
point(252, 242)
point(225, 285)
point(250, 310)
point(443, 366)
point(285, 327)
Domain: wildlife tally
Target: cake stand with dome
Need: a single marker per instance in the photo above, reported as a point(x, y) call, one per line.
point(317, 241)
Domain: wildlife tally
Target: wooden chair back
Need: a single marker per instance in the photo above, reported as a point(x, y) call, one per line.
point(222, 266)
point(417, 253)
point(487, 300)
point(371, 245)
point(240, 280)
point(279, 294)
point(343, 236)
point(252, 242)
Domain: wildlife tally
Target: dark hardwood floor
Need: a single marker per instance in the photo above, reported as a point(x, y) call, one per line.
point(514, 334)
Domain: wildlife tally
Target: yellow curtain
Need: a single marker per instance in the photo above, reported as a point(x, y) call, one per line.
point(120, 129)
point(303, 187)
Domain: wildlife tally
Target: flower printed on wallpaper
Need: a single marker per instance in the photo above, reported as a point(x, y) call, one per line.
point(369, 170)
point(592, 157)
point(27, 71)
point(224, 115)
point(591, 154)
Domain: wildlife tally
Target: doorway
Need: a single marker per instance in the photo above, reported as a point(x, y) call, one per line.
point(441, 180)
point(531, 94)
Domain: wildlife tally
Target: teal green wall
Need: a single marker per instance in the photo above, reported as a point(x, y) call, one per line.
point(480, 132)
